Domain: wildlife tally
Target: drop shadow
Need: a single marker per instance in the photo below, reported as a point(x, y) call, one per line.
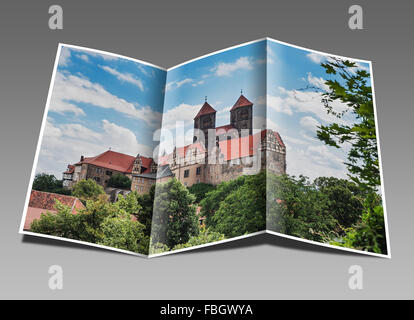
point(276, 241)
point(63, 243)
point(261, 239)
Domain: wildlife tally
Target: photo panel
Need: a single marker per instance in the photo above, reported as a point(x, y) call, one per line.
point(324, 179)
point(94, 164)
point(210, 183)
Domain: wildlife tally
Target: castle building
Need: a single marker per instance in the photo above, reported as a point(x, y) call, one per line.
point(236, 150)
point(141, 170)
point(217, 154)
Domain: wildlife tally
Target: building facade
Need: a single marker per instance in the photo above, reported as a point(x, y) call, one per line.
point(141, 170)
point(217, 154)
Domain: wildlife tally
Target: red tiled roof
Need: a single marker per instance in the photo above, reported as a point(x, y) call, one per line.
point(181, 152)
point(205, 109)
point(70, 169)
point(223, 129)
point(116, 161)
point(241, 102)
point(230, 149)
point(46, 200)
point(40, 202)
point(111, 160)
point(239, 147)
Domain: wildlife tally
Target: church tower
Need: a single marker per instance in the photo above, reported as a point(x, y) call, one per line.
point(241, 115)
point(204, 120)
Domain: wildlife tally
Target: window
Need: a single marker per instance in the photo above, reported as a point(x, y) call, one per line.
point(198, 171)
point(186, 173)
point(97, 179)
point(108, 173)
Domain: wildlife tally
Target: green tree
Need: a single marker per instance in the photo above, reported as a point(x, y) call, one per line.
point(369, 233)
point(129, 203)
point(343, 198)
point(119, 181)
point(61, 224)
point(296, 207)
point(211, 203)
point(205, 236)
point(243, 210)
point(124, 233)
point(351, 87)
point(48, 183)
point(146, 201)
point(200, 190)
point(101, 222)
point(174, 216)
point(87, 190)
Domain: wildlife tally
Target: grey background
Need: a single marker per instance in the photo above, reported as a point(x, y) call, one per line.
point(167, 33)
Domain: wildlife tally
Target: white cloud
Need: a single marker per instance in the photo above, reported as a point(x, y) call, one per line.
point(317, 82)
point(226, 69)
point(278, 104)
point(271, 56)
point(124, 77)
point(64, 57)
point(176, 84)
point(70, 88)
point(292, 101)
point(316, 57)
point(84, 57)
point(309, 123)
point(199, 83)
point(64, 144)
point(183, 112)
point(312, 161)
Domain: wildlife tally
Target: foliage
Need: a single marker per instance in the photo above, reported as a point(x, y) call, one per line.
point(48, 183)
point(243, 210)
point(158, 247)
point(200, 190)
point(205, 236)
point(119, 180)
point(101, 222)
point(63, 224)
point(352, 89)
point(369, 233)
point(129, 203)
point(174, 218)
point(296, 207)
point(124, 233)
point(87, 190)
point(211, 203)
point(146, 201)
point(343, 199)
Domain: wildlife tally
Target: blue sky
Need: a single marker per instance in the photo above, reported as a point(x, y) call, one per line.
point(295, 110)
point(274, 77)
point(220, 77)
point(100, 101)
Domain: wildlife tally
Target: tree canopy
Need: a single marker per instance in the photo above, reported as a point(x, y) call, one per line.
point(102, 222)
point(87, 190)
point(49, 183)
point(119, 181)
point(174, 216)
point(200, 190)
point(351, 86)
